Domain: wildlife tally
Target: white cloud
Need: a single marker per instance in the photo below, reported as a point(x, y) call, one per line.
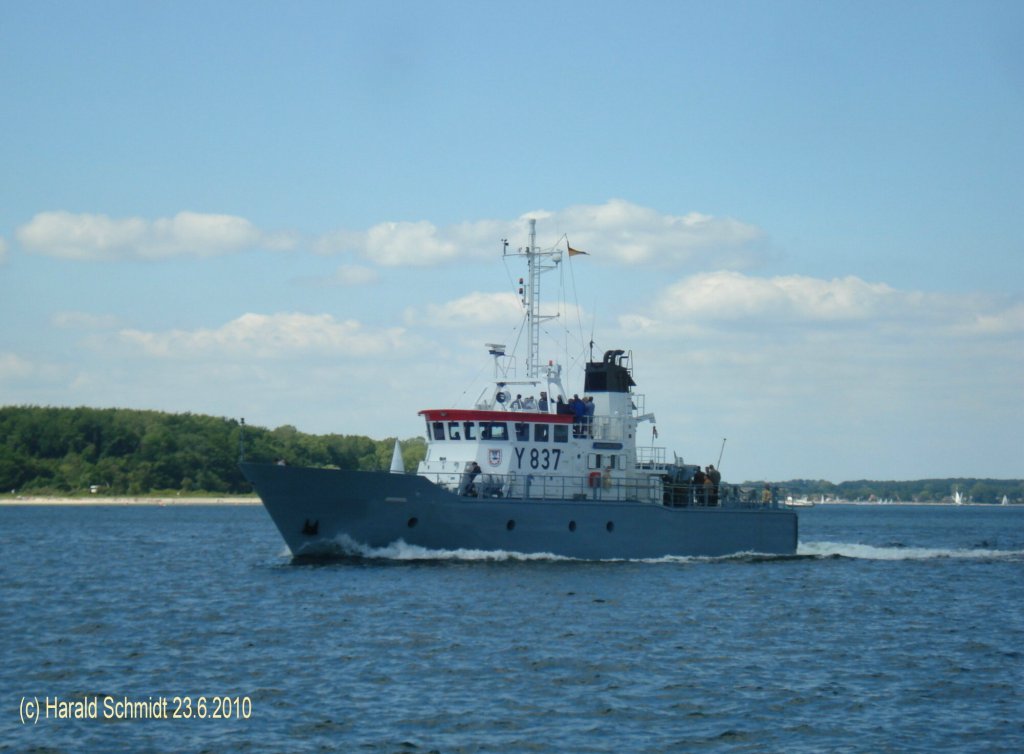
point(726, 295)
point(472, 310)
point(483, 313)
point(1005, 321)
point(14, 367)
point(29, 375)
point(90, 237)
point(725, 300)
point(275, 336)
point(633, 234)
point(616, 231)
point(408, 243)
point(419, 244)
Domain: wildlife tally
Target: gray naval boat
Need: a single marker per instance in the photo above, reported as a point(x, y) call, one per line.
point(533, 475)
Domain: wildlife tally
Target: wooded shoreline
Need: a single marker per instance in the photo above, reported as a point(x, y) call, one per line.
point(166, 500)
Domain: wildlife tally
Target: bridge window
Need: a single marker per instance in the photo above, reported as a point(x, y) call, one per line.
point(493, 431)
point(561, 433)
point(522, 431)
point(438, 430)
point(540, 432)
point(454, 431)
point(470, 430)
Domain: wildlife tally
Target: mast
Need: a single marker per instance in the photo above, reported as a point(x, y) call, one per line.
point(537, 262)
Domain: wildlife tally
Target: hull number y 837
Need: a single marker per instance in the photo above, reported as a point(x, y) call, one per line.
point(546, 459)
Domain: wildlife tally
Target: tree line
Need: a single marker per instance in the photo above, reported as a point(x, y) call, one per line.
point(67, 451)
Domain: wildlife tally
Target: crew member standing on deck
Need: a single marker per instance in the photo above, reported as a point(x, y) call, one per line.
point(579, 412)
point(716, 479)
point(698, 488)
point(470, 478)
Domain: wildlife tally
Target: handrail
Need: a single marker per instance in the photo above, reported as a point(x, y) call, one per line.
point(650, 455)
point(651, 489)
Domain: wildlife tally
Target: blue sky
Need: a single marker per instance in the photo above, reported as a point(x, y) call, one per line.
point(804, 218)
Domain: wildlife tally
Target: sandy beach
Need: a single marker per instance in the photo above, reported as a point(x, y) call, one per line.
point(101, 500)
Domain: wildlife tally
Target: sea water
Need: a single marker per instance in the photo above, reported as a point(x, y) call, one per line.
point(893, 629)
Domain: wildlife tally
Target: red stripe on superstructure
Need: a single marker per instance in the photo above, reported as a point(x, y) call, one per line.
point(466, 414)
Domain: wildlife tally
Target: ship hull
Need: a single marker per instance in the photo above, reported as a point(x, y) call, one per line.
point(331, 512)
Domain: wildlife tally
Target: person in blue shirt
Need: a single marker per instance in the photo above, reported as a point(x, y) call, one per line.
point(588, 410)
point(579, 411)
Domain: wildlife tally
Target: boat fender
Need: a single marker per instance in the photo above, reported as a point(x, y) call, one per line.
point(594, 481)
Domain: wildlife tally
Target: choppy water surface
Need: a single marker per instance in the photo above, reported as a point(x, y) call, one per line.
point(893, 629)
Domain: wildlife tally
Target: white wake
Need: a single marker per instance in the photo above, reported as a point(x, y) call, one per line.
point(871, 552)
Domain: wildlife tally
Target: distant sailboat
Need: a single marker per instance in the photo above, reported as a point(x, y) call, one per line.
point(1006, 500)
point(958, 499)
point(800, 502)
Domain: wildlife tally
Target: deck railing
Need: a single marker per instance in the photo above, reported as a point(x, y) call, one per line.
point(650, 489)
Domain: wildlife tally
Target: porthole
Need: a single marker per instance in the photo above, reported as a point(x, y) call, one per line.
point(610, 527)
point(413, 521)
point(511, 524)
point(572, 526)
